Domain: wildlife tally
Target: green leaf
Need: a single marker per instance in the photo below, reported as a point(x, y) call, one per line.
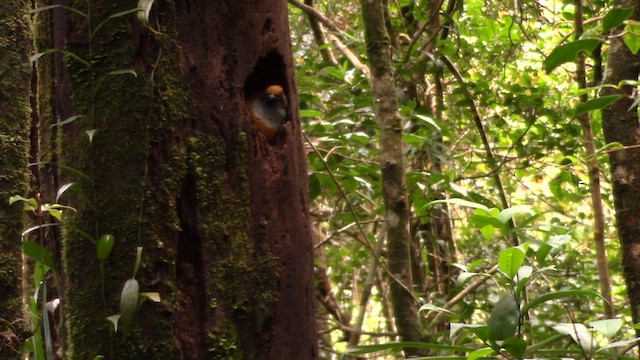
point(105, 244)
point(631, 37)
point(310, 113)
point(38, 253)
point(558, 295)
point(39, 273)
point(505, 318)
point(515, 346)
point(480, 353)
point(508, 213)
point(615, 17)
point(569, 52)
point(597, 103)
point(427, 120)
point(510, 260)
point(480, 219)
point(128, 303)
point(56, 213)
point(413, 139)
point(608, 327)
point(487, 232)
point(30, 204)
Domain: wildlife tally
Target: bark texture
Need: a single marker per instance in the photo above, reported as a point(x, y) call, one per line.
point(621, 125)
point(594, 173)
point(392, 163)
point(173, 164)
point(15, 120)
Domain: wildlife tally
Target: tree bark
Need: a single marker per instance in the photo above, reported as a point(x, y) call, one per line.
point(172, 163)
point(594, 174)
point(392, 163)
point(621, 125)
point(15, 86)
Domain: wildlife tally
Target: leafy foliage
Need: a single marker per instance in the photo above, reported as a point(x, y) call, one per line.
point(510, 70)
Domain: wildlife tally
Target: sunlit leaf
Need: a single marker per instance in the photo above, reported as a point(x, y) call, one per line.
point(607, 327)
point(578, 332)
point(569, 52)
point(461, 202)
point(510, 260)
point(309, 113)
point(631, 37)
point(431, 307)
point(480, 353)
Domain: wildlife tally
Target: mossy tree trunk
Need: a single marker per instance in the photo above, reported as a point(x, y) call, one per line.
point(621, 125)
point(15, 121)
point(169, 162)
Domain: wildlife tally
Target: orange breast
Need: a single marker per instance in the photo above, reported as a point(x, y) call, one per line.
point(264, 128)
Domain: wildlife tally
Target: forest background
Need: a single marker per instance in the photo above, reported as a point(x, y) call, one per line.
point(502, 104)
point(483, 202)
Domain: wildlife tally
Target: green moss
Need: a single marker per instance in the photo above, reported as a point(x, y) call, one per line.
point(15, 48)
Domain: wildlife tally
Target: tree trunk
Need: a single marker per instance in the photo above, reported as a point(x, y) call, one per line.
point(392, 163)
point(15, 87)
point(171, 163)
point(621, 125)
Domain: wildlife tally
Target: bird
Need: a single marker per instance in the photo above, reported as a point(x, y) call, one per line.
point(268, 111)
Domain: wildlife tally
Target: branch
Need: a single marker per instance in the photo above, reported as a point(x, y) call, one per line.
point(485, 142)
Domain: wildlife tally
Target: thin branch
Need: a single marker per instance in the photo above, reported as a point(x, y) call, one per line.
point(485, 142)
point(337, 42)
point(474, 285)
point(355, 218)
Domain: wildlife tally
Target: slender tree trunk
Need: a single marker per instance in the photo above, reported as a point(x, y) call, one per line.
point(15, 85)
point(594, 175)
point(318, 35)
point(170, 162)
point(392, 163)
point(621, 125)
